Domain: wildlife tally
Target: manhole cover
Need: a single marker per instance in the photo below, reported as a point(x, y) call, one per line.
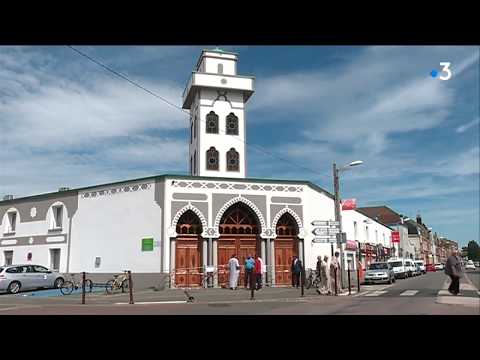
point(219, 305)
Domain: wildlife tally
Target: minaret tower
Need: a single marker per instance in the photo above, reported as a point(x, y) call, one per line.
point(216, 97)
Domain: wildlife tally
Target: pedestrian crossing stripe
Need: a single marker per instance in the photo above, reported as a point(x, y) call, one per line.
point(376, 293)
point(409, 293)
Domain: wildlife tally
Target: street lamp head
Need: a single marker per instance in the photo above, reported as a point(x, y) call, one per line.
point(355, 163)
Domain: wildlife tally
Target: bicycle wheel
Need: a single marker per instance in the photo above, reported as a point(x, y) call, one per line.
point(67, 288)
point(124, 285)
point(308, 284)
point(88, 285)
point(109, 286)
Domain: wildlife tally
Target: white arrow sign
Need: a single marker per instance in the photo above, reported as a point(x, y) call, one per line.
point(320, 231)
point(333, 230)
point(320, 223)
point(334, 223)
point(323, 240)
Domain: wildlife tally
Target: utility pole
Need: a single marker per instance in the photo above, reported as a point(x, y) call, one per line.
point(338, 217)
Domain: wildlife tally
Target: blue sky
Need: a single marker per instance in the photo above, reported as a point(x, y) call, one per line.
point(64, 121)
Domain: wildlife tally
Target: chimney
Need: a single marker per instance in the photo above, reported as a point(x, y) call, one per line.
point(8, 197)
point(419, 219)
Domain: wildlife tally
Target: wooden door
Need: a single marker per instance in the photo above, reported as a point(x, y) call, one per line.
point(188, 262)
point(242, 247)
point(284, 252)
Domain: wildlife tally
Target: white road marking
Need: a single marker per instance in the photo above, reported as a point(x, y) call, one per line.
point(409, 293)
point(155, 302)
point(459, 300)
point(376, 293)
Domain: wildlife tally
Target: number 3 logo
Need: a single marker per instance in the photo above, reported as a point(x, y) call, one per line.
point(447, 70)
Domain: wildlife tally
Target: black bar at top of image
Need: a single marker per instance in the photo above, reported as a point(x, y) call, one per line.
point(247, 26)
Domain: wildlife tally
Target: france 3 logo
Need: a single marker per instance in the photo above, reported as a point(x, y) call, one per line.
point(445, 69)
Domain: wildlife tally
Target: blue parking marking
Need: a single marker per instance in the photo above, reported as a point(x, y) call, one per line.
point(56, 292)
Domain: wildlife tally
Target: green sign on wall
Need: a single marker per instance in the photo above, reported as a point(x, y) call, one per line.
point(147, 244)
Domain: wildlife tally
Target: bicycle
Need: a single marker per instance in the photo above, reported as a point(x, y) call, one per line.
point(311, 281)
point(206, 277)
point(72, 284)
point(119, 281)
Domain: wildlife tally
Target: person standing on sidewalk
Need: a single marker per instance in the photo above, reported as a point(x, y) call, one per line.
point(453, 268)
point(335, 272)
point(297, 270)
point(258, 271)
point(234, 268)
point(249, 271)
point(292, 268)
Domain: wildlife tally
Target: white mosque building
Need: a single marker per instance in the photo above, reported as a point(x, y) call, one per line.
point(170, 228)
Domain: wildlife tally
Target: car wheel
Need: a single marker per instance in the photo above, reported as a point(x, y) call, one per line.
point(57, 284)
point(14, 287)
point(390, 280)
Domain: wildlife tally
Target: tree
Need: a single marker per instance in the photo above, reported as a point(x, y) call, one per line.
point(473, 251)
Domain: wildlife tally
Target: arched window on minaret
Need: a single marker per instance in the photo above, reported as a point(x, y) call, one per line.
point(233, 160)
point(212, 159)
point(212, 123)
point(220, 68)
point(232, 124)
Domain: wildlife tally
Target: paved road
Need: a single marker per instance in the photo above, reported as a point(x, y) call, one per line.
point(420, 295)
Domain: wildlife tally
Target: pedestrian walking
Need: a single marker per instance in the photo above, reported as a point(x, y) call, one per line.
point(319, 266)
point(234, 268)
point(454, 269)
point(296, 271)
point(335, 271)
point(324, 277)
point(258, 271)
point(249, 270)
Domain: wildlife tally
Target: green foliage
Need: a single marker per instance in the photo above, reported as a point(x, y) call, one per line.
point(473, 251)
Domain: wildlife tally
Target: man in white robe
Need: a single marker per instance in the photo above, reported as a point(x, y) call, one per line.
point(234, 269)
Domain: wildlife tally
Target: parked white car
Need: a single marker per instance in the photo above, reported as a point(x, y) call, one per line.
point(398, 266)
point(439, 267)
point(470, 265)
point(421, 265)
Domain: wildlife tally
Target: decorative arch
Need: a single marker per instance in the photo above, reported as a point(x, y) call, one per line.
point(247, 202)
point(301, 232)
point(173, 231)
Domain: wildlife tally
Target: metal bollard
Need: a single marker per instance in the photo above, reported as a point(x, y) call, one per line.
point(252, 286)
point(349, 286)
point(83, 287)
point(358, 279)
point(336, 288)
point(302, 279)
point(130, 286)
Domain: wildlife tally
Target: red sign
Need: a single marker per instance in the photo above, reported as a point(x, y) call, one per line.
point(395, 236)
point(351, 245)
point(349, 204)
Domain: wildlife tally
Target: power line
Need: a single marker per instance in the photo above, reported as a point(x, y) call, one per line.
point(124, 77)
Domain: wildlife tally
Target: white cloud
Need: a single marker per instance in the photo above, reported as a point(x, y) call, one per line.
point(465, 127)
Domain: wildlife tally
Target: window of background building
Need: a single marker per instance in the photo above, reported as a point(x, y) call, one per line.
point(55, 259)
point(355, 231)
point(212, 123)
point(8, 256)
point(212, 159)
point(11, 222)
point(57, 216)
point(232, 124)
point(195, 163)
point(220, 68)
point(233, 160)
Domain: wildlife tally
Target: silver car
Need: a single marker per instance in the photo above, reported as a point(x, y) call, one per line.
point(14, 278)
point(379, 272)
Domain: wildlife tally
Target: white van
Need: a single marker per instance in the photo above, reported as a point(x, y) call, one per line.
point(411, 268)
point(421, 265)
point(398, 266)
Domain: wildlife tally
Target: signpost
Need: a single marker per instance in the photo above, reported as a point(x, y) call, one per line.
point(325, 231)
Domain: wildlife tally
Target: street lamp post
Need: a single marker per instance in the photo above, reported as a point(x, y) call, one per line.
point(338, 214)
